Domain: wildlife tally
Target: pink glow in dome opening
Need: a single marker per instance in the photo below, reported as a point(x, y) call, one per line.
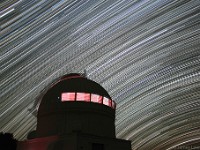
point(68, 96)
point(83, 97)
point(87, 97)
point(96, 98)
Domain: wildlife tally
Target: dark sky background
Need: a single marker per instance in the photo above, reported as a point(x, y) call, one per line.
point(145, 53)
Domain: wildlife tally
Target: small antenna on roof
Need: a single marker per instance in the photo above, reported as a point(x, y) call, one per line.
point(85, 73)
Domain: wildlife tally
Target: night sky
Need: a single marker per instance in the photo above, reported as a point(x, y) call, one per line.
point(145, 53)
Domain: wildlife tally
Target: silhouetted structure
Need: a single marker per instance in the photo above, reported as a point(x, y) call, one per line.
point(75, 114)
point(7, 142)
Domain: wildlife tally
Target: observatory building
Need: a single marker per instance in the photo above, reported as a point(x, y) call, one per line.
point(75, 114)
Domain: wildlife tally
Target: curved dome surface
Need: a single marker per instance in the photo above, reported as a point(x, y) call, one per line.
point(74, 87)
point(75, 103)
point(76, 83)
point(145, 53)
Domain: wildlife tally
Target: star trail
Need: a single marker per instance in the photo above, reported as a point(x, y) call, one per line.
point(145, 53)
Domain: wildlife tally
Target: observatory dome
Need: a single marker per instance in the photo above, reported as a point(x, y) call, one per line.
point(74, 87)
point(74, 103)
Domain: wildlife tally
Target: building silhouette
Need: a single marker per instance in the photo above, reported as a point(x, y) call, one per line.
point(7, 142)
point(75, 114)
